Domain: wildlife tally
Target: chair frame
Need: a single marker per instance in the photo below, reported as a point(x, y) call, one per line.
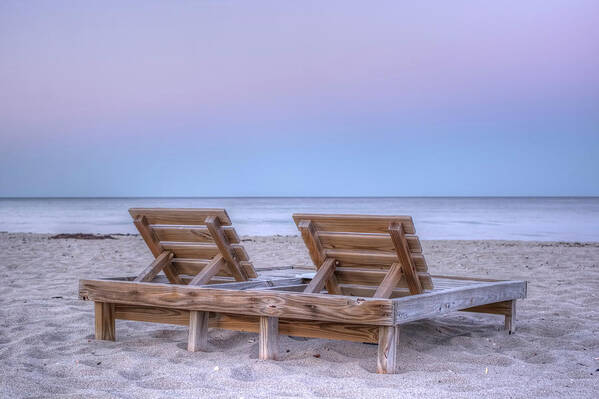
point(291, 306)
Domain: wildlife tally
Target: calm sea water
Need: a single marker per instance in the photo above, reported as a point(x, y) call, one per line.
point(547, 219)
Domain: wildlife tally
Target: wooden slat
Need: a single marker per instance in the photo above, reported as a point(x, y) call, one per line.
point(403, 254)
point(225, 248)
point(294, 288)
point(180, 216)
point(374, 277)
point(317, 254)
point(258, 303)
point(369, 290)
point(374, 242)
point(209, 271)
point(155, 267)
point(355, 223)
point(257, 284)
point(269, 338)
point(298, 328)
point(349, 257)
point(323, 274)
point(192, 267)
point(182, 233)
point(201, 250)
point(153, 244)
point(390, 281)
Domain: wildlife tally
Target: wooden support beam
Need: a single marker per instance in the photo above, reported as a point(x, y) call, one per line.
point(198, 331)
point(403, 254)
point(510, 318)
point(387, 350)
point(104, 321)
point(155, 267)
point(385, 289)
point(208, 271)
point(246, 323)
point(323, 274)
point(154, 245)
point(269, 338)
point(214, 227)
point(291, 305)
point(317, 253)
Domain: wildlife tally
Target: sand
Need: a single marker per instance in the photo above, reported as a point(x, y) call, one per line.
point(47, 347)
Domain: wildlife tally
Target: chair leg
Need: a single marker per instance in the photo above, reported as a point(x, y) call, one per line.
point(269, 338)
point(197, 339)
point(104, 321)
point(510, 318)
point(387, 350)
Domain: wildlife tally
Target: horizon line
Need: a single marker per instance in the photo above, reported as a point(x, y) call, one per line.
point(301, 196)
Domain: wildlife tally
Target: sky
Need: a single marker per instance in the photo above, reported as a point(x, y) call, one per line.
point(285, 98)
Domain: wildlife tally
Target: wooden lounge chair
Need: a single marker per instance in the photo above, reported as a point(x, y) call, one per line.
point(371, 277)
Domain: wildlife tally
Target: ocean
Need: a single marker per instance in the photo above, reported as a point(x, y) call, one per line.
point(463, 218)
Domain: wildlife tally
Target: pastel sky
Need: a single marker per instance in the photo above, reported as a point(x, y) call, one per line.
point(326, 98)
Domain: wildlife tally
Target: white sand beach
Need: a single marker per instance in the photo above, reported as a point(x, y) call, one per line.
point(47, 347)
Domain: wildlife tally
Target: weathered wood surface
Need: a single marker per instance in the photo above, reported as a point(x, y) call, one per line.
point(209, 271)
point(269, 338)
point(294, 288)
point(236, 322)
point(323, 274)
point(192, 267)
point(365, 248)
point(259, 284)
point(368, 258)
point(356, 223)
point(350, 275)
point(194, 236)
point(510, 318)
point(104, 321)
point(317, 254)
point(151, 314)
point(500, 308)
point(202, 250)
point(373, 242)
point(353, 310)
point(403, 254)
point(180, 216)
point(153, 244)
point(436, 303)
point(228, 253)
point(191, 233)
point(155, 267)
point(387, 350)
point(385, 289)
point(198, 331)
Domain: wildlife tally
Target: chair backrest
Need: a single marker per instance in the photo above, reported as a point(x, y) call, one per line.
point(373, 254)
point(196, 238)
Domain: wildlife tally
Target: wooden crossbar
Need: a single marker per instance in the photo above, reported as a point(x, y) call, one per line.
point(155, 267)
point(154, 245)
point(209, 271)
point(323, 274)
point(407, 265)
point(317, 254)
point(385, 289)
point(214, 227)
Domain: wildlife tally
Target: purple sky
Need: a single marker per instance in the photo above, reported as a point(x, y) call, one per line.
point(299, 98)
